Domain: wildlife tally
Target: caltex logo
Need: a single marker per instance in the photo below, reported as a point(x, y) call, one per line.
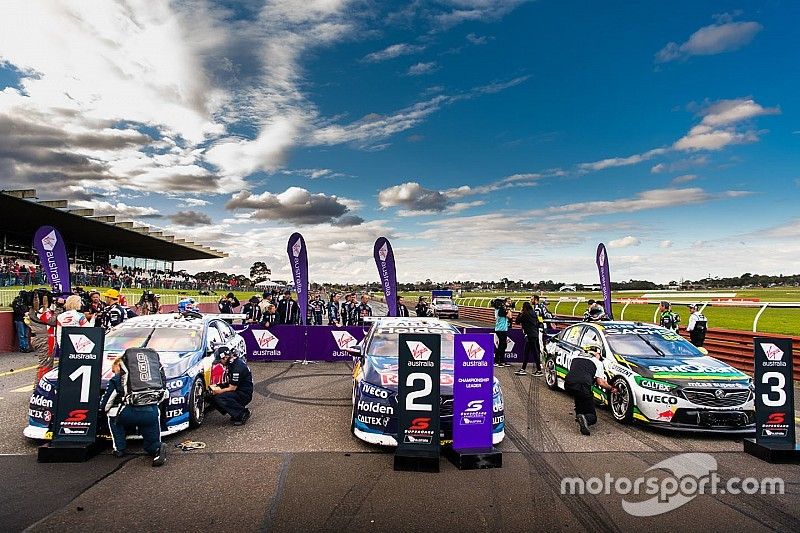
point(419, 351)
point(383, 253)
point(296, 247)
point(344, 339)
point(474, 350)
point(49, 241)
point(81, 343)
point(265, 339)
point(772, 352)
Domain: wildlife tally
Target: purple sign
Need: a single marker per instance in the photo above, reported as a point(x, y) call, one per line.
point(298, 263)
point(514, 347)
point(472, 391)
point(605, 277)
point(53, 257)
point(292, 343)
point(384, 260)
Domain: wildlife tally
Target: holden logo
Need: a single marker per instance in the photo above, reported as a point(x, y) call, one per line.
point(296, 247)
point(474, 351)
point(49, 241)
point(344, 339)
point(772, 352)
point(419, 351)
point(383, 253)
point(81, 343)
point(266, 339)
point(720, 394)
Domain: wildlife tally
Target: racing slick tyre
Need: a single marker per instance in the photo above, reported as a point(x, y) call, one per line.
point(622, 401)
point(550, 374)
point(197, 403)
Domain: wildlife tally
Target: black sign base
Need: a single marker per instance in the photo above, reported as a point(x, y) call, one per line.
point(772, 454)
point(475, 458)
point(416, 461)
point(68, 452)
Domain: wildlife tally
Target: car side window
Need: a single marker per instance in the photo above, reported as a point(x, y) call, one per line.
point(573, 334)
point(225, 330)
point(213, 336)
point(591, 336)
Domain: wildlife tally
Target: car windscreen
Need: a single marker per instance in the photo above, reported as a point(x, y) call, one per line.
point(159, 339)
point(651, 343)
point(443, 301)
point(387, 344)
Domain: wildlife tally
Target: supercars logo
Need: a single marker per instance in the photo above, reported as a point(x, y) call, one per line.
point(77, 415)
point(383, 253)
point(772, 352)
point(419, 424)
point(297, 247)
point(776, 418)
point(344, 339)
point(81, 343)
point(419, 351)
point(49, 241)
point(265, 339)
point(474, 350)
point(474, 406)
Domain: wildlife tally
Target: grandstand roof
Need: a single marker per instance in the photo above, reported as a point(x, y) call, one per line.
point(22, 217)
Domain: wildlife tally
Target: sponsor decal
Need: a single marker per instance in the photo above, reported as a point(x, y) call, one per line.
point(694, 369)
point(665, 415)
point(265, 339)
point(654, 398)
point(418, 431)
point(296, 247)
point(77, 415)
point(415, 329)
point(775, 425)
point(175, 384)
point(344, 339)
point(384, 251)
point(47, 416)
point(143, 366)
point(376, 408)
point(715, 385)
point(498, 419)
point(419, 351)
point(172, 413)
point(655, 385)
point(41, 401)
point(177, 400)
point(774, 355)
point(474, 406)
point(371, 390)
point(391, 379)
point(382, 421)
point(81, 343)
point(49, 241)
point(45, 386)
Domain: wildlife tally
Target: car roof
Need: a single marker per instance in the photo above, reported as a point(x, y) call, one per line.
point(165, 321)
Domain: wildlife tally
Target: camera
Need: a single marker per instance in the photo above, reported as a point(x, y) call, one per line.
point(498, 303)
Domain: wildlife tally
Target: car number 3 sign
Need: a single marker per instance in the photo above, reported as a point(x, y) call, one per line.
point(418, 392)
point(774, 392)
point(79, 371)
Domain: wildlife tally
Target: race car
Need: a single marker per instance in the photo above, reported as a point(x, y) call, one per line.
point(184, 343)
point(443, 305)
point(373, 418)
point(661, 379)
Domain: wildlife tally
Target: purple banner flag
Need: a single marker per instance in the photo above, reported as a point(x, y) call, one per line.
point(53, 257)
point(298, 262)
point(472, 391)
point(384, 260)
point(605, 278)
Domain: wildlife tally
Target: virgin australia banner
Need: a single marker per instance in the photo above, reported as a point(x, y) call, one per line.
point(605, 277)
point(53, 256)
point(384, 260)
point(298, 262)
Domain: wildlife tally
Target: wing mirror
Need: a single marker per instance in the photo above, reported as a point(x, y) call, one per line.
point(354, 350)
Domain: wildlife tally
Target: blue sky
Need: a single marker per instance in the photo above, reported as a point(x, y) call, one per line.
point(486, 139)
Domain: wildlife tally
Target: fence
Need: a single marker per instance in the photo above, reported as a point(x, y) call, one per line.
point(8, 295)
point(731, 346)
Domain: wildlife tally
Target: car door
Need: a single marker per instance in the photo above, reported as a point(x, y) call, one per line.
point(592, 336)
point(568, 345)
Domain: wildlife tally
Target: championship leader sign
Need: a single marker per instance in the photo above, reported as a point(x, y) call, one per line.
point(79, 372)
point(472, 391)
point(774, 392)
point(418, 392)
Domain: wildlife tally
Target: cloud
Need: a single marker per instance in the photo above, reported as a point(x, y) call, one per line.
point(420, 69)
point(393, 51)
point(458, 11)
point(476, 39)
point(622, 161)
point(192, 202)
point(686, 178)
point(680, 165)
point(413, 197)
point(190, 218)
point(295, 205)
point(725, 36)
point(119, 209)
point(718, 127)
point(624, 242)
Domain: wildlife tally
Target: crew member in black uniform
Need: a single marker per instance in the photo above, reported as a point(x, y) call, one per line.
point(252, 311)
point(583, 373)
point(317, 306)
point(270, 316)
point(422, 308)
point(232, 396)
point(113, 314)
point(402, 310)
point(333, 310)
point(363, 310)
point(288, 310)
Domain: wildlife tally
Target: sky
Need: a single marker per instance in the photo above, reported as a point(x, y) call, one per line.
point(485, 138)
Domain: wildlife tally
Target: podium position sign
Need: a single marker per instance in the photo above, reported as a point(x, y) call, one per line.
point(418, 402)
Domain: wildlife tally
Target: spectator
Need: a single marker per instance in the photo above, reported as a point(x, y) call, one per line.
point(669, 319)
point(697, 327)
point(19, 310)
point(71, 317)
point(94, 312)
point(530, 327)
point(228, 304)
point(595, 312)
point(42, 321)
point(502, 324)
point(402, 310)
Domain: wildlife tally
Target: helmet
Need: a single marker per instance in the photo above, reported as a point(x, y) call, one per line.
point(592, 346)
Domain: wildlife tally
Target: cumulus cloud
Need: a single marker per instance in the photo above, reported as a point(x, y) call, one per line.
point(418, 69)
point(393, 51)
point(296, 205)
point(624, 242)
point(119, 209)
point(192, 202)
point(190, 218)
point(718, 127)
point(413, 197)
point(665, 244)
point(723, 36)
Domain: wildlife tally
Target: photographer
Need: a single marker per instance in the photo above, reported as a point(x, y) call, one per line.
point(19, 308)
point(148, 304)
point(502, 323)
point(422, 308)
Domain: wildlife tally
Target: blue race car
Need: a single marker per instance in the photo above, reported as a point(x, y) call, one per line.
point(185, 345)
point(373, 418)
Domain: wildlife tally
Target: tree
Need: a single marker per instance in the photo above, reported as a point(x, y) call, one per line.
point(259, 272)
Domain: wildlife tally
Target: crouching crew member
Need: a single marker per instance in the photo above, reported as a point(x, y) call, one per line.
point(583, 373)
point(131, 402)
point(697, 327)
point(232, 397)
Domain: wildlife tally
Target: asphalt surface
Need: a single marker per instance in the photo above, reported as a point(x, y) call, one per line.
point(296, 467)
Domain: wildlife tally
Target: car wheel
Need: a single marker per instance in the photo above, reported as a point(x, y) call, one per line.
point(622, 401)
point(197, 403)
point(550, 374)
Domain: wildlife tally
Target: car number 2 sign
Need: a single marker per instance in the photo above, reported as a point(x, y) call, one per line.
point(418, 393)
point(774, 392)
point(79, 372)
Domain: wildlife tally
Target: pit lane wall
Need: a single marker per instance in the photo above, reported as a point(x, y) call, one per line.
point(731, 346)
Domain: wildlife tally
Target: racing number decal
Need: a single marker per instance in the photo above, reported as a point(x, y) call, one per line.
point(426, 390)
point(85, 373)
point(779, 388)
